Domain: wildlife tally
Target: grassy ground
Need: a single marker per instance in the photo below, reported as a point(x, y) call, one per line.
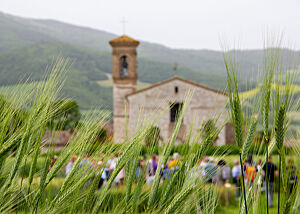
point(109, 82)
point(234, 208)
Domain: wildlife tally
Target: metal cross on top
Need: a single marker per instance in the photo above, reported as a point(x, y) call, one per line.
point(123, 24)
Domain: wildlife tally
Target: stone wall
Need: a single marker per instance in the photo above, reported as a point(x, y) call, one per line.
point(153, 105)
point(229, 134)
point(120, 109)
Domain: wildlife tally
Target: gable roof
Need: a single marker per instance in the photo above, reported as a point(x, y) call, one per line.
point(180, 79)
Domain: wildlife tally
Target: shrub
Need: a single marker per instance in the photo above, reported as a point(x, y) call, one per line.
point(153, 136)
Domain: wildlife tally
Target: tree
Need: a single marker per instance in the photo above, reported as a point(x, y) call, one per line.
point(66, 116)
point(101, 135)
point(153, 136)
point(208, 128)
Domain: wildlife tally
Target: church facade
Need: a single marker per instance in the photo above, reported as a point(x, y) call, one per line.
point(131, 106)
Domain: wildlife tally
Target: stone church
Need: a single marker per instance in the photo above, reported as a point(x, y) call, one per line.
point(131, 105)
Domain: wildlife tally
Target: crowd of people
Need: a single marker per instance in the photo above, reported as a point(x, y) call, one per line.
point(210, 171)
point(221, 174)
point(111, 163)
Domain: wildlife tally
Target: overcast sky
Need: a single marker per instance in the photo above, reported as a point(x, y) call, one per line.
point(195, 24)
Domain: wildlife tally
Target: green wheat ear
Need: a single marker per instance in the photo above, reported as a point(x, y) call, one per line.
point(238, 121)
point(33, 166)
point(291, 201)
point(249, 139)
point(130, 174)
point(179, 199)
point(279, 127)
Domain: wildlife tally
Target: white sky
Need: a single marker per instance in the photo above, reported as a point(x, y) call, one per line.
point(195, 24)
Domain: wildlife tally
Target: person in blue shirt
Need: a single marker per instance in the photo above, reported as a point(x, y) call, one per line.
point(210, 172)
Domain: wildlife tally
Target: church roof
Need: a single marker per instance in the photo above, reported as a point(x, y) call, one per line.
point(181, 79)
point(124, 40)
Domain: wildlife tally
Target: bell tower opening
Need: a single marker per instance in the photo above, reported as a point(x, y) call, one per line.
point(123, 67)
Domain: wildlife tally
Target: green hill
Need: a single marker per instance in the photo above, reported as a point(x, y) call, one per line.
point(28, 46)
point(88, 67)
point(16, 32)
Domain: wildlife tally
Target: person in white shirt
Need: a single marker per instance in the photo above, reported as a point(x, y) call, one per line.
point(236, 174)
point(259, 172)
point(226, 174)
point(202, 165)
point(70, 164)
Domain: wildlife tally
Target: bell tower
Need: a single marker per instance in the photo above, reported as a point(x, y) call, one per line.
point(124, 77)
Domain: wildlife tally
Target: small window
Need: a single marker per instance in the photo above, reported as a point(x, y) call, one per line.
point(176, 89)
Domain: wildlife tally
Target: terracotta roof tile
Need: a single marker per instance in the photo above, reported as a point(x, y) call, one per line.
point(124, 40)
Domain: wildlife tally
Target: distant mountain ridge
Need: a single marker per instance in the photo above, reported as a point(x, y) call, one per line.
point(27, 46)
